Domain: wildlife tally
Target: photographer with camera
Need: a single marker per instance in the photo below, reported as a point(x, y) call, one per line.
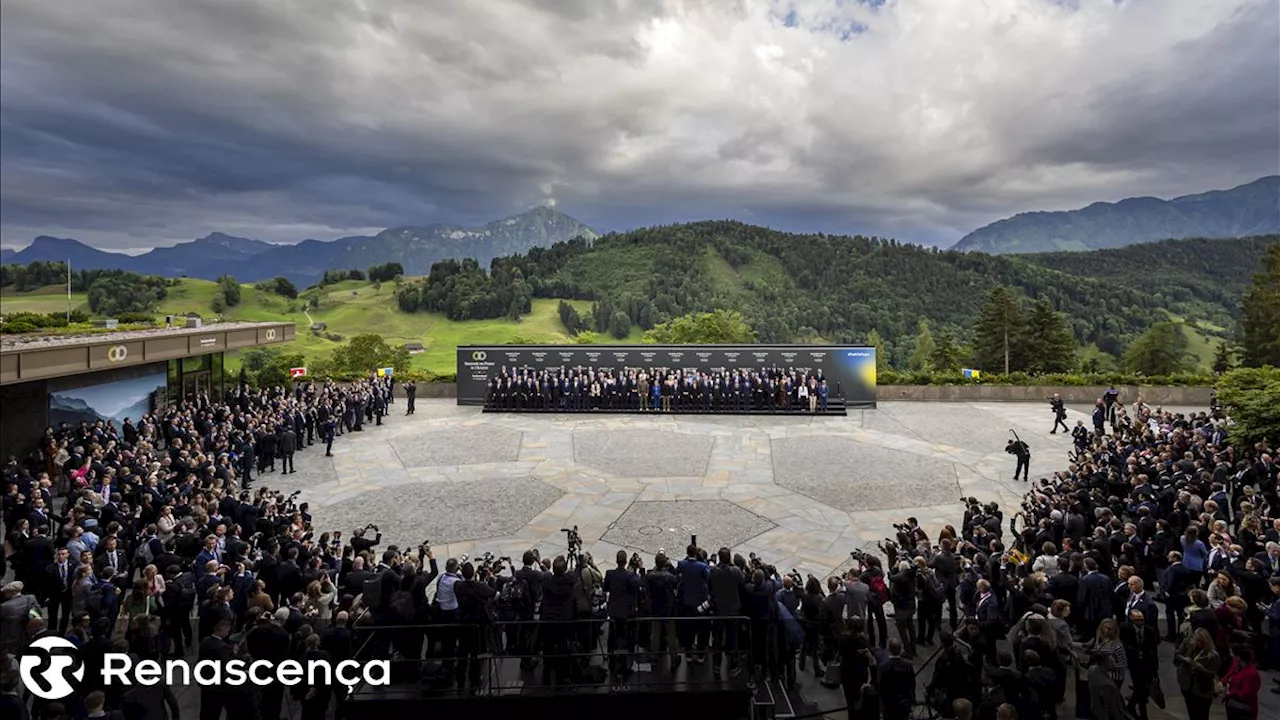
point(902, 593)
point(361, 544)
point(661, 585)
point(475, 595)
point(1059, 410)
point(694, 598)
point(1022, 452)
point(622, 587)
point(726, 585)
point(518, 600)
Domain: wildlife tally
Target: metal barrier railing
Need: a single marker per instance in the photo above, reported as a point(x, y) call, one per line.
point(499, 657)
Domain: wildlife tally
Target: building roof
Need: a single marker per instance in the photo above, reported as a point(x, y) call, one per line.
point(39, 357)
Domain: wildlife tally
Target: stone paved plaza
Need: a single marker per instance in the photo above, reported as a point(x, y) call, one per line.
point(801, 492)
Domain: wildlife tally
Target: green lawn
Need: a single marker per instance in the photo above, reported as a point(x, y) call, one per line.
point(51, 299)
point(348, 308)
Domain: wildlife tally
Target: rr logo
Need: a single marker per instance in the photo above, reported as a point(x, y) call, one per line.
point(117, 353)
point(479, 355)
point(51, 669)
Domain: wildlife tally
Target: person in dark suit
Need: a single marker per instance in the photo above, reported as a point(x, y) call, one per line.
point(622, 593)
point(947, 567)
point(411, 394)
point(897, 683)
point(59, 577)
point(692, 593)
point(286, 444)
point(1094, 599)
point(1141, 640)
point(217, 648)
point(726, 585)
point(1140, 600)
point(1059, 414)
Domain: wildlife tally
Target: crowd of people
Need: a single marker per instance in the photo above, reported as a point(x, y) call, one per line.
point(158, 522)
point(162, 548)
point(718, 390)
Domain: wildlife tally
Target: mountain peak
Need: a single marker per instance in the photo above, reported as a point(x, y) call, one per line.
point(48, 242)
point(1249, 209)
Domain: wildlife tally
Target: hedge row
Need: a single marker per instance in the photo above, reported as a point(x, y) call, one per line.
point(420, 376)
point(893, 377)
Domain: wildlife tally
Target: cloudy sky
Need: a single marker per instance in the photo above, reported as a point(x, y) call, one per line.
point(134, 123)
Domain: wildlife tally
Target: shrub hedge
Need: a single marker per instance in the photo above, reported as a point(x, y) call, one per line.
point(893, 377)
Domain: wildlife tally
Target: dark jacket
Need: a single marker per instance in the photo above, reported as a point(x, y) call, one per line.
point(693, 576)
point(558, 595)
point(662, 586)
point(622, 587)
point(726, 586)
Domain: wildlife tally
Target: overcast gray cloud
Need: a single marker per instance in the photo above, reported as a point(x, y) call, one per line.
point(132, 123)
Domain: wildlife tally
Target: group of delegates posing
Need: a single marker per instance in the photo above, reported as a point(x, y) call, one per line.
point(719, 390)
point(156, 522)
point(1163, 513)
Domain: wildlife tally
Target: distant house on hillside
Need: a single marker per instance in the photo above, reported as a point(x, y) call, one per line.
point(414, 348)
point(318, 327)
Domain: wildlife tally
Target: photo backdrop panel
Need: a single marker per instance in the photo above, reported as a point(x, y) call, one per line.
point(129, 398)
point(850, 370)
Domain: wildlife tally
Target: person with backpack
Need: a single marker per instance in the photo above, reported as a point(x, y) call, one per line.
point(519, 599)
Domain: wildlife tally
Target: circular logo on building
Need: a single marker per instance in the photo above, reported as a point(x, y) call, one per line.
point(51, 669)
point(116, 353)
point(478, 355)
point(271, 334)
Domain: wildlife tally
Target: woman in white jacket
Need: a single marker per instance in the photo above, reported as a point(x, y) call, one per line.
point(319, 603)
point(1047, 561)
point(166, 524)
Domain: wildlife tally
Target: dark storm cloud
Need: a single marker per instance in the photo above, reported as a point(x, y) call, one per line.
point(128, 123)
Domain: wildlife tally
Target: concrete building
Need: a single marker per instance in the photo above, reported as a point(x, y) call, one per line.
point(45, 380)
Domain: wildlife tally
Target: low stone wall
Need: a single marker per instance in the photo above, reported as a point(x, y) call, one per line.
point(1077, 395)
point(1084, 394)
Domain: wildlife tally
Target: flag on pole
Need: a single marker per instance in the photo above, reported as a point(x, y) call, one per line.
point(297, 372)
point(970, 373)
point(385, 372)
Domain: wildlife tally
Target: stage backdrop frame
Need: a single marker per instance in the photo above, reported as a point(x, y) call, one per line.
point(849, 369)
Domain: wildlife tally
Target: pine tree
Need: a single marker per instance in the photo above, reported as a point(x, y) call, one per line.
point(875, 340)
point(1260, 314)
point(1000, 335)
point(947, 355)
point(1050, 345)
point(922, 350)
point(1223, 357)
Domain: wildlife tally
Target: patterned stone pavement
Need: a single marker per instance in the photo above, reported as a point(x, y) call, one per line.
point(801, 492)
point(665, 525)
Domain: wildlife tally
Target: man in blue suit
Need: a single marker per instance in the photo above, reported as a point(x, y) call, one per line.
point(692, 595)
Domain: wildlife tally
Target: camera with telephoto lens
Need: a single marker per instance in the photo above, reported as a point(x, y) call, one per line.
point(859, 556)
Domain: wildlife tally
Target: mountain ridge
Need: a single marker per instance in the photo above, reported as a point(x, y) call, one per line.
point(1245, 210)
point(416, 247)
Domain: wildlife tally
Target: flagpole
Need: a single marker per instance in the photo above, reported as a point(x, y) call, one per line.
point(68, 290)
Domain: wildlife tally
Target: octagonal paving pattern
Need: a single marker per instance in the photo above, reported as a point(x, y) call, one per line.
point(800, 491)
point(643, 453)
point(471, 445)
point(660, 525)
point(443, 512)
point(857, 477)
